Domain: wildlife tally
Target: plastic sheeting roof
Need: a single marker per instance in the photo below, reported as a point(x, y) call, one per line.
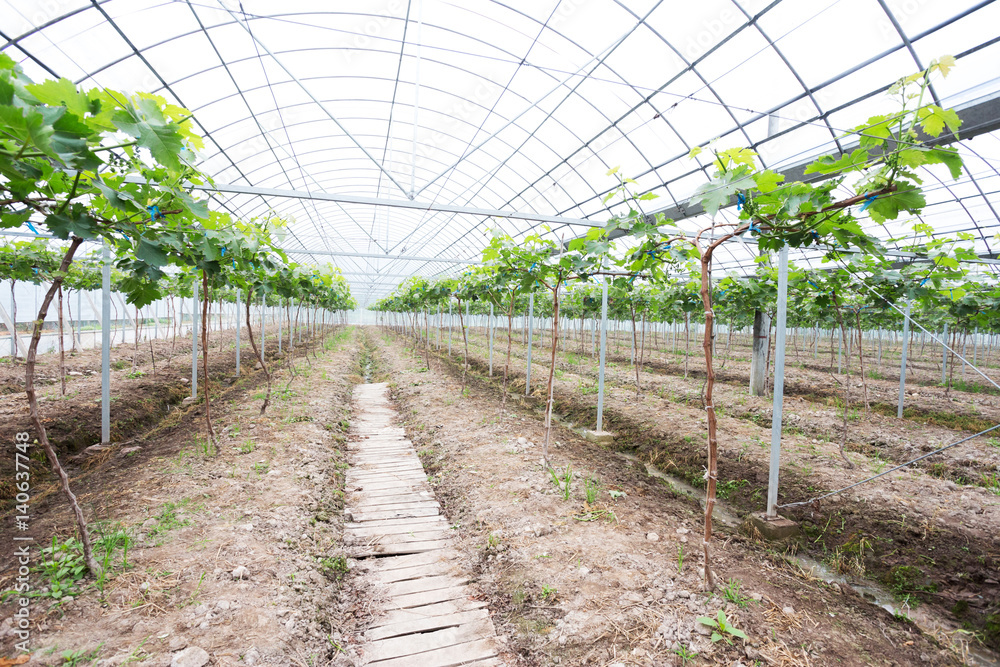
point(520, 105)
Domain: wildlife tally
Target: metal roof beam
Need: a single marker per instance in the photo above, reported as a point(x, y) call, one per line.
point(394, 203)
point(980, 116)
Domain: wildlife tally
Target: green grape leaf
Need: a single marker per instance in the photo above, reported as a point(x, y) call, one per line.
point(151, 254)
point(888, 207)
point(933, 119)
point(767, 181)
point(62, 93)
point(856, 160)
point(146, 124)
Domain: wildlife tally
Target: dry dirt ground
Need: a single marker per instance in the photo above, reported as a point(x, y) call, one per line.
point(234, 554)
point(930, 532)
point(614, 579)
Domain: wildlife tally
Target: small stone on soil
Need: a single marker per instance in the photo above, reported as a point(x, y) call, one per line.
point(241, 572)
point(190, 657)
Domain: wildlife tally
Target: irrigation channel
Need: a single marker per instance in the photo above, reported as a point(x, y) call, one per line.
point(934, 409)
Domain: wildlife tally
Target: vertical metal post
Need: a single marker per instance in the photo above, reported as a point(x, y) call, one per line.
point(603, 348)
point(531, 331)
point(106, 344)
point(156, 320)
point(779, 383)
point(840, 347)
point(263, 310)
point(238, 332)
point(492, 326)
point(194, 341)
point(279, 327)
point(449, 326)
point(440, 326)
point(79, 318)
point(944, 354)
point(902, 364)
point(13, 333)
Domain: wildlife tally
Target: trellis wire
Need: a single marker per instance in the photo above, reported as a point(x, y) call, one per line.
point(882, 474)
point(929, 454)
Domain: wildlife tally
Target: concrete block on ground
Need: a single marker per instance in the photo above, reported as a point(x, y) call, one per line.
point(600, 437)
point(773, 529)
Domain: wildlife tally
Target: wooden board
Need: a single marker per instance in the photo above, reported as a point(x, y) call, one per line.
point(416, 644)
point(426, 624)
point(450, 656)
point(430, 616)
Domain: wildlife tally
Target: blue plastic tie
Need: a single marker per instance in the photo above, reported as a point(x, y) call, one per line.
point(234, 263)
point(31, 227)
point(223, 252)
point(754, 228)
point(924, 280)
point(532, 267)
point(812, 283)
point(154, 213)
point(632, 279)
point(868, 201)
point(814, 234)
point(740, 200)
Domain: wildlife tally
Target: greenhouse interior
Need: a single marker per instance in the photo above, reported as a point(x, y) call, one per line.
point(566, 332)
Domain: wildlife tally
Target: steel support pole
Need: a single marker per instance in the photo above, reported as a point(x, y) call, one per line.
point(902, 363)
point(79, 318)
point(449, 327)
point(779, 383)
point(492, 328)
point(279, 327)
point(944, 354)
point(13, 331)
point(263, 318)
point(603, 348)
point(106, 344)
point(840, 347)
point(194, 341)
point(238, 332)
point(531, 332)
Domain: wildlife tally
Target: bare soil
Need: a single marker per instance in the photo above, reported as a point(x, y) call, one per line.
point(617, 580)
point(235, 553)
point(931, 531)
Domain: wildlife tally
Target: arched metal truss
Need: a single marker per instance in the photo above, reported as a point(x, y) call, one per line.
point(396, 133)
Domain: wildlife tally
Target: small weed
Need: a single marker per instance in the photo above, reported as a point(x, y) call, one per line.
point(726, 489)
point(723, 628)
point(81, 657)
point(591, 487)
point(732, 593)
point(615, 495)
point(492, 541)
point(549, 593)
point(119, 365)
point(686, 654)
point(334, 568)
point(135, 374)
point(680, 558)
point(563, 482)
point(167, 519)
point(247, 446)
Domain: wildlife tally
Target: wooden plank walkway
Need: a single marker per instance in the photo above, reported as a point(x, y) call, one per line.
point(394, 523)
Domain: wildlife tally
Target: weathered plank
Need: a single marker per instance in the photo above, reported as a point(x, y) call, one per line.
point(377, 549)
point(428, 597)
point(397, 616)
point(426, 624)
point(411, 586)
point(450, 656)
